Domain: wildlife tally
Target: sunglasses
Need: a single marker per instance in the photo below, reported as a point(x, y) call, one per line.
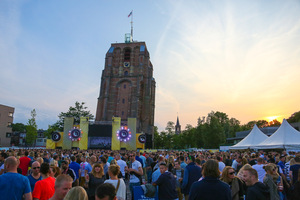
point(36, 168)
point(231, 173)
point(130, 156)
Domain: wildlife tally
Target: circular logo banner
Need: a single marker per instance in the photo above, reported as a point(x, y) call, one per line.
point(142, 138)
point(56, 136)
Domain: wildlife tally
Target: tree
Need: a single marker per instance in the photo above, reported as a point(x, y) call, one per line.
point(170, 127)
point(31, 129)
point(294, 117)
point(78, 111)
point(274, 122)
point(18, 127)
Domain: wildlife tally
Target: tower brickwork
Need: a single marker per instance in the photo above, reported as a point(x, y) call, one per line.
point(127, 87)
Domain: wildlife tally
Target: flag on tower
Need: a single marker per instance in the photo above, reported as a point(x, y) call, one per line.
point(130, 14)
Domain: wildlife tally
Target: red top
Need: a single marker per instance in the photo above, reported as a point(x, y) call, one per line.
point(44, 189)
point(24, 164)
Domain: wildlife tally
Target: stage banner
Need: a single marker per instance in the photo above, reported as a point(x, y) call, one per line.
point(68, 125)
point(115, 142)
point(131, 144)
point(140, 144)
point(50, 144)
point(84, 126)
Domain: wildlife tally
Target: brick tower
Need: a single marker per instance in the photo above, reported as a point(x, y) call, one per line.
point(127, 87)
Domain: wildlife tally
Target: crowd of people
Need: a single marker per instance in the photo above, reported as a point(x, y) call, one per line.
point(103, 174)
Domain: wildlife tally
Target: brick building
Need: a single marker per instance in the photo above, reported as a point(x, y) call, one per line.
point(6, 120)
point(128, 88)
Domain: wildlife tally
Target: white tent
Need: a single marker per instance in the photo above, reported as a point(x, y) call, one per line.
point(255, 137)
point(286, 137)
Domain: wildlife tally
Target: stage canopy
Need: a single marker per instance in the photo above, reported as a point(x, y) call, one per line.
point(255, 137)
point(286, 137)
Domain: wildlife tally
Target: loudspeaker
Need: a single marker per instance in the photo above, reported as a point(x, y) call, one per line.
point(148, 144)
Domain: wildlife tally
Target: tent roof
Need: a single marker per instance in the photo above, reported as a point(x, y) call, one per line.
point(286, 137)
point(255, 137)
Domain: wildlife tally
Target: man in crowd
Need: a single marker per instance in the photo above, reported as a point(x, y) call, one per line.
point(236, 162)
point(106, 191)
point(135, 170)
point(221, 164)
point(35, 176)
point(210, 187)
point(256, 190)
point(259, 168)
point(166, 184)
point(182, 163)
point(121, 163)
point(66, 170)
point(178, 172)
point(24, 163)
point(85, 168)
point(14, 186)
point(281, 163)
point(3, 156)
point(149, 161)
point(75, 167)
point(294, 170)
point(192, 173)
point(62, 186)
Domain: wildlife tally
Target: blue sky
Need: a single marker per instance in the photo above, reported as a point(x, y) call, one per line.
point(238, 57)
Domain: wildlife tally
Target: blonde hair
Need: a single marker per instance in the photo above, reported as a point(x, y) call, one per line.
point(114, 169)
point(224, 176)
point(76, 193)
point(240, 173)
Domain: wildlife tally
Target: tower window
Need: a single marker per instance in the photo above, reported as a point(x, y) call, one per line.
point(123, 100)
point(126, 73)
point(124, 86)
point(127, 55)
point(122, 113)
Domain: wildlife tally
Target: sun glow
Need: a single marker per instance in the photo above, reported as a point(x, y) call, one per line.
point(271, 118)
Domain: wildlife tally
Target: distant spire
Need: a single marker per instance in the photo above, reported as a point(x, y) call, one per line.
point(177, 126)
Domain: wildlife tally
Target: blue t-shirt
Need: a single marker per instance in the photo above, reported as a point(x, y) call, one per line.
point(13, 186)
point(76, 167)
point(32, 181)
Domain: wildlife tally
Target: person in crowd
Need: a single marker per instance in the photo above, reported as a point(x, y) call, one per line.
point(85, 168)
point(52, 171)
point(166, 184)
point(221, 164)
point(259, 168)
point(44, 189)
point(236, 163)
point(236, 185)
point(281, 163)
point(93, 160)
point(3, 156)
point(170, 163)
point(210, 187)
point(294, 170)
point(269, 180)
point(135, 170)
point(35, 176)
point(54, 161)
point(94, 179)
point(105, 164)
point(106, 191)
point(62, 186)
point(40, 160)
point(182, 163)
point(295, 194)
point(252, 160)
point(178, 174)
point(75, 167)
point(46, 158)
point(192, 173)
point(14, 186)
point(121, 163)
point(24, 163)
point(256, 190)
point(66, 170)
point(119, 184)
point(76, 193)
point(240, 173)
point(110, 157)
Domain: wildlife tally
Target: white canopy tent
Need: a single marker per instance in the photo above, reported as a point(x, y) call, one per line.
point(286, 137)
point(255, 137)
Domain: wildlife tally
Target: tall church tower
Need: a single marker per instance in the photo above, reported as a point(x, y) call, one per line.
point(177, 127)
point(128, 88)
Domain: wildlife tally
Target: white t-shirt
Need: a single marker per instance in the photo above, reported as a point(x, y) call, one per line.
point(234, 165)
point(121, 194)
point(221, 166)
point(122, 165)
point(135, 165)
point(261, 172)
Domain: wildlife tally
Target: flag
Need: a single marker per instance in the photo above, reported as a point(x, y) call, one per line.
point(130, 14)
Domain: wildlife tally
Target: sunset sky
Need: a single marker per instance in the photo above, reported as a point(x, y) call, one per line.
point(238, 57)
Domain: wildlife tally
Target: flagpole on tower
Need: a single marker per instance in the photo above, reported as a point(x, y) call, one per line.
point(131, 35)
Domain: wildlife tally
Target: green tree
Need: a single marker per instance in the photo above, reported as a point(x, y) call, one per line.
point(31, 129)
point(170, 128)
point(78, 111)
point(295, 117)
point(274, 122)
point(18, 127)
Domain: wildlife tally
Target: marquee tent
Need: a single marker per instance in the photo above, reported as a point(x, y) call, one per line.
point(286, 137)
point(255, 137)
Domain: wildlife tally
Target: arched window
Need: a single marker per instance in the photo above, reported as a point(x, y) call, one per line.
point(125, 74)
point(127, 55)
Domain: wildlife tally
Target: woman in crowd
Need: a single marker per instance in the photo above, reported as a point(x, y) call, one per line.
point(119, 184)
point(236, 185)
point(170, 163)
point(76, 193)
point(271, 175)
point(94, 179)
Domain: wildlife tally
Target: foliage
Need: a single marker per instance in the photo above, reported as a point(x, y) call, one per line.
point(31, 129)
point(18, 127)
point(78, 111)
point(294, 117)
